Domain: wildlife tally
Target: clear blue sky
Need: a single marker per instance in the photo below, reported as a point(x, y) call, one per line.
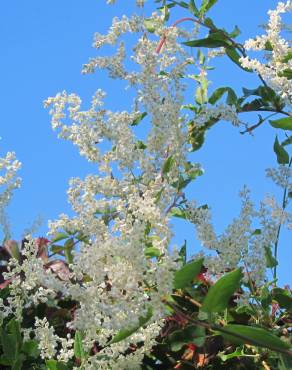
point(43, 46)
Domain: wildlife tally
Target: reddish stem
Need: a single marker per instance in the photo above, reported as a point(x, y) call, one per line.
point(163, 39)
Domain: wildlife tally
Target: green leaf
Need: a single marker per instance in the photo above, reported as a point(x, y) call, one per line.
point(138, 119)
point(282, 155)
point(197, 140)
point(219, 294)
point(206, 5)
point(165, 13)
point(257, 232)
point(268, 46)
point(125, 333)
point(183, 252)
point(282, 123)
point(234, 56)
point(210, 24)
point(167, 165)
point(68, 246)
point(283, 297)
point(236, 32)
point(152, 252)
point(237, 353)
point(54, 365)
point(206, 43)
point(11, 342)
point(201, 95)
point(30, 348)
point(191, 334)
point(193, 8)
point(178, 212)
point(218, 93)
point(185, 276)
point(287, 57)
point(57, 248)
point(13, 328)
point(82, 238)
point(288, 141)
point(58, 237)
point(183, 4)
point(140, 145)
point(255, 336)
point(78, 346)
point(150, 25)
point(286, 73)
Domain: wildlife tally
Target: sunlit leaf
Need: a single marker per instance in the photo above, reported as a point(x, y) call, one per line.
point(282, 123)
point(187, 274)
point(218, 296)
point(256, 336)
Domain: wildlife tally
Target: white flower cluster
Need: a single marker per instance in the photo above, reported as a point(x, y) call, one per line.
point(123, 209)
point(48, 341)
point(273, 71)
point(244, 241)
point(222, 112)
point(139, 3)
point(9, 181)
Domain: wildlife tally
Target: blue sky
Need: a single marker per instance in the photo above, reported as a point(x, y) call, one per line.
point(43, 46)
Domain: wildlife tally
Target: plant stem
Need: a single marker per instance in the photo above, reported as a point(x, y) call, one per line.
point(284, 204)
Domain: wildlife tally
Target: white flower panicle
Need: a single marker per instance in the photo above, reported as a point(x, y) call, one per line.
point(222, 112)
point(122, 209)
point(273, 69)
point(9, 166)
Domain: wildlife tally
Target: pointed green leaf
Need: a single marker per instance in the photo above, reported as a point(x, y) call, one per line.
point(282, 155)
point(270, 260)
point(167, 165)
point(68, 246)
point(178, 212)
point(185, 276)
point(152, 252)
point(220, 293)
point(58, 237)
point(286, 73)
point(183, 252)
point(193, 9)
point(268, 46)
point(283, 297)
point(217, 94)
point(236, 32)
point(287, 57)
point(288, 141)
point(206, 5)
point(78, 346)
point(234, 56)
point(55, 365)
point(255, 336)
point(207, 43)
point(150, 25)
point(57, 248)
point(31, 348)
point(282, 123)
point(138, 119)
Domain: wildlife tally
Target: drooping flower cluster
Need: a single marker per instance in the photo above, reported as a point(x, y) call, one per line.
point(245, 240)
point(9, 181)
point(278, 61)
point(123, 209)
